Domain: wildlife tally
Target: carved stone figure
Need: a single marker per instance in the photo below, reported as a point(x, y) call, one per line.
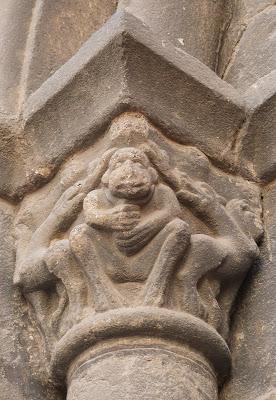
point(215, 265)
point(119, 239)
point(137, 199)
point(132, 218)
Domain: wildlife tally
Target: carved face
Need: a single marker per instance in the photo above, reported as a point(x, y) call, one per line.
point(249, 221)
point(129, 174)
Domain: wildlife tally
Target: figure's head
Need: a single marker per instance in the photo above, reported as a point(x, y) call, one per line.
point(130, 174)
point(249, 219)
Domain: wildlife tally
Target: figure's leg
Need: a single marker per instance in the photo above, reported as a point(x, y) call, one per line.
point(62, 263)
point(205, 255)
point(172, 250)
point(208, 308)
point(226, 300)
point(105, 296)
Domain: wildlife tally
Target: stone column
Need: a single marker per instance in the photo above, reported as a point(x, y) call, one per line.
point(135, 179)
point(139, 373)
point(192, 26)
point(142, 353)
point(142, 301)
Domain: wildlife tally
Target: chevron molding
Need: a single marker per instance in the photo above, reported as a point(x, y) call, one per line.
point(116, 70)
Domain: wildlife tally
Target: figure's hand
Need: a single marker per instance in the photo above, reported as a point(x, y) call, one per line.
point(68, 206)
point(123, 217)
point(247, 217)
point(198, 194)
point(32, 274)
point(161, 161)
point(138, 236)
point(96, 170)
point(157, 156)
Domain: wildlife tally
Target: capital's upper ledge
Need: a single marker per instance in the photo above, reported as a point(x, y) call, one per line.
point(123, 66)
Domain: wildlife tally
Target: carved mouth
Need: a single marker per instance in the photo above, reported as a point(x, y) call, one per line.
point(131, 184)
point(129, 187)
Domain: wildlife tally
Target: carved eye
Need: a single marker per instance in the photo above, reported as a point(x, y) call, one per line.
point(139, 164)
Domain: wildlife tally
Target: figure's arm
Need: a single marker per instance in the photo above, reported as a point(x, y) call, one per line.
point(32, 272)
point(240, 247)
point(69, 204)
point(165, 208)
point(96, 170)
point(198, 196)
point(101, 215)
point(203, 200)
point(161, 161)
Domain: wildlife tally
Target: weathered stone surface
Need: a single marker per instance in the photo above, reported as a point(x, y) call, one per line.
point(59, 28)
point(116, 247)
point(253, 339)
point(17, 380)
point(136, 173)
point(236, 17)
point(196, 35)
point(257, 145)
point(143, 373)
point(248, 50)
point(13, 37)
point(121, 67)
point(253, 7)
point(38, 37)
point(255, 55)
point(11, 162)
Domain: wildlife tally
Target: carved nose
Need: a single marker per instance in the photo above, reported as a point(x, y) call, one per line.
point(128, 163)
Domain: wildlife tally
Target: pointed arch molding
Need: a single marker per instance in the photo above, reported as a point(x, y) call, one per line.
point(124, 67)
